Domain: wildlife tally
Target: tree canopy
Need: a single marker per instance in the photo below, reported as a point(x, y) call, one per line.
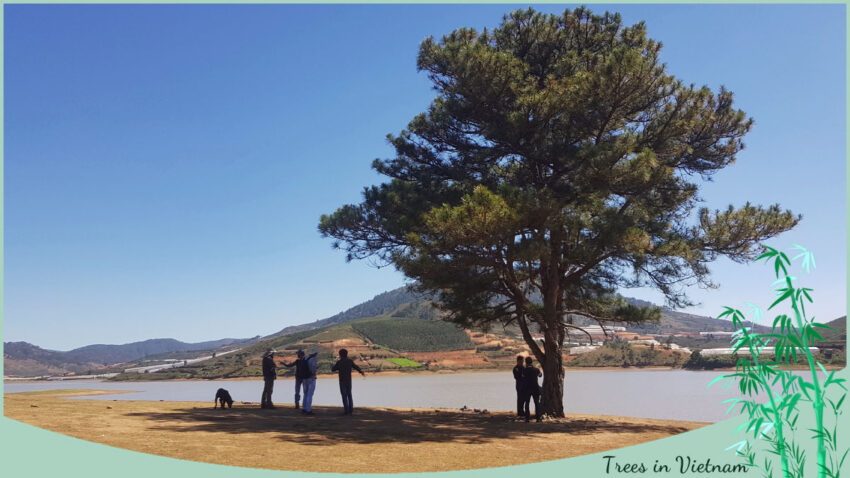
point(558, 163)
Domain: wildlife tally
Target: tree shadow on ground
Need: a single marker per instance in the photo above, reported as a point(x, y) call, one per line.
point(376, 425)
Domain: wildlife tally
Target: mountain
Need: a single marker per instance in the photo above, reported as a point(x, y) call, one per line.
point(385, 323)
point(399, 329)
point(379, 305)
point(25, 359)
point(111, 354)
point(403, 303)
point(839, 332)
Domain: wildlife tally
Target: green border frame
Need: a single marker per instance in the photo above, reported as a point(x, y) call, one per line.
point(26, 450)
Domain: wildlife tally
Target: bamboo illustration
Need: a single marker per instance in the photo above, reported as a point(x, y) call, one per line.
point(791, 336)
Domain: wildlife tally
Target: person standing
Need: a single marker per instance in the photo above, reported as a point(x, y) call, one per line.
point(344, 366)
point(310, 381)
point(531, 390)
point(519, 387)
point(302, 371)
point(269, 376)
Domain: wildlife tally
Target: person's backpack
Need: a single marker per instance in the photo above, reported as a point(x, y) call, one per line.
point(302, 369)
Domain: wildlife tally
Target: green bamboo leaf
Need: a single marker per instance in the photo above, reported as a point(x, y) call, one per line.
point(829, 379)
point(782, 297)
point(734, 401)
point(767, 255)
point(822, 326)
point(777, 265)
point(792, 404)
point(740, 316)
point(752, 425)
point(717, 379)
point(841, 400)
point(739, 445)
point(794, 340)
point(821, 368)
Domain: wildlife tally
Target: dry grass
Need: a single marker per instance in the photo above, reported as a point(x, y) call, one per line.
point(378, 440)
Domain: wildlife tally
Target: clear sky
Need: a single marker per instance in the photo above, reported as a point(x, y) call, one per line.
point(166, 166)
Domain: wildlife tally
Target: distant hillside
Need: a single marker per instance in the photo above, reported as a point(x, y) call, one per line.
point(110, 354)
point(403, 303)
point(377, 343)
point(837, 335)
point(25, 359)
point(390, 342)
point(411, 335)
point(397, 302)
point(371, 325)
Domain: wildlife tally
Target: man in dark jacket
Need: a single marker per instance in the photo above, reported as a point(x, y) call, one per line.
point(269, 376)
point(302, 371)
point(344, 366)
point(518, 379)
point(531, 389)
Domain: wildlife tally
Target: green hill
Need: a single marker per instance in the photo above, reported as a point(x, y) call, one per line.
point(399, 302)
point(377, 342)
point(413, 335)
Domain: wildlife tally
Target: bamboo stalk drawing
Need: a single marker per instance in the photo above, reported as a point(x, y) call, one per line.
point(792, 338)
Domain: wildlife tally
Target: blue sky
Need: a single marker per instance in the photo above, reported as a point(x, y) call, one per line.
point(165, 166)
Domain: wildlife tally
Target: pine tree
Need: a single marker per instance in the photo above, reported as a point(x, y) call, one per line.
point(555, 166)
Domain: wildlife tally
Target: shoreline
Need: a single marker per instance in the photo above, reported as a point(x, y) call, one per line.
point(393, 373)
point(373, 440)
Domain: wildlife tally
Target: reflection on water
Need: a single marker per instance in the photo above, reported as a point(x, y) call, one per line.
point(669, 394)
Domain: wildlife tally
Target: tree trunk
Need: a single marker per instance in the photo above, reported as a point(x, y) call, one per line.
point(552, 398)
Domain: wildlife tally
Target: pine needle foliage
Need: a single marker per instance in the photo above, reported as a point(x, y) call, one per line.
point(558, 161)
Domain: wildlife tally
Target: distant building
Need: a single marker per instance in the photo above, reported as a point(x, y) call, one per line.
point(718, 333)
point(729, 351)
point(583, 349)
point(632, 336)
point(645, 342)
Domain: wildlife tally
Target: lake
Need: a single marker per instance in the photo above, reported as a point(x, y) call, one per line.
point(666, 394)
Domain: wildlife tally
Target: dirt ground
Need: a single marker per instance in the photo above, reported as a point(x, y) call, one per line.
point(373, 440)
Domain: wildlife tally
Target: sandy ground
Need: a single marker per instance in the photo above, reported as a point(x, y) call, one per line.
point(376, 440)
